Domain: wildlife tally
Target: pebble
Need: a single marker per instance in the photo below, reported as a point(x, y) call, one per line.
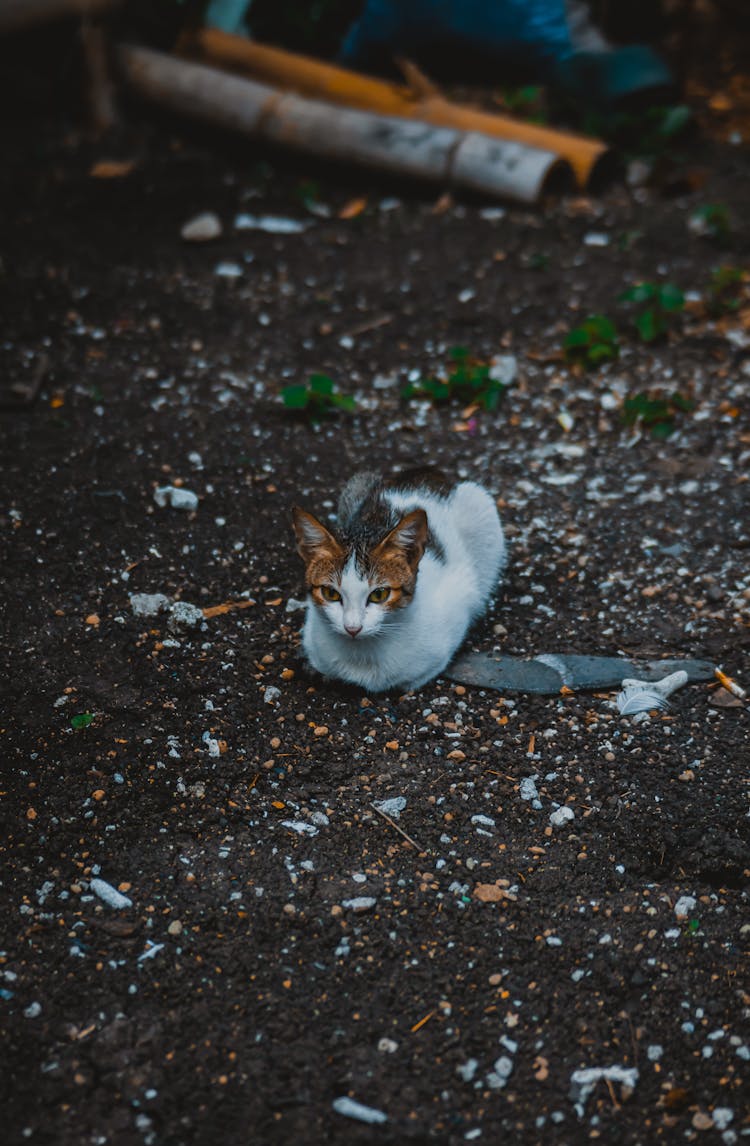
point(561, 816)
point(148, 604)
point(361, 1113)
point(183, 615)
point(176, 497)
point(202, 228)
point(110, 895)
point(271, 224)
point(392, 807)
point(501, 1072)
point(467, 1070)
point(504, 369)
point(227, 270)
point(33, 1011)
point(175, 928)
point(359, 904)
point(685, 904)
point(387, 1046)
point(527, 789)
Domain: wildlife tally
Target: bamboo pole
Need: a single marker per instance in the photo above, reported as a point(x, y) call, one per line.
point(25, 13)
point(405, 146)
point(419, 100)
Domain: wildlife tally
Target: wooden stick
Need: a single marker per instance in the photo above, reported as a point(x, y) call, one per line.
point(25, 13)
point(408, 147)
point(400, 831)
point(419, 100)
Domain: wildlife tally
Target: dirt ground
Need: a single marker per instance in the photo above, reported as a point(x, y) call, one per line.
point(286, 946)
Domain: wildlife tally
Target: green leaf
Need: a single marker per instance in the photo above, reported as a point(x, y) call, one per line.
point(662, 430)
point(321, 384)
point(344, 401)
point(642, 292)
point(650, 325)
point(579, 336)
point(671, 298)
point(602, 352)
point(81, 720)
point(295, 397)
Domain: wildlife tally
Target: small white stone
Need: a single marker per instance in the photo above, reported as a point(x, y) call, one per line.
point(392, 807)
point(110, 895)
point(183, 615)
point(202, 228)
point(561, 816)
point(685, 904)
point(176, 497)
point(148, 604)
point(359, 904)
point(351, 1109)
point(33, 1011)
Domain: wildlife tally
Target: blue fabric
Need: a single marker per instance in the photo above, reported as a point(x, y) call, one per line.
point(536, 30)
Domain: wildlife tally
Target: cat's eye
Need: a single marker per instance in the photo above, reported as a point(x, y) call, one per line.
point(379, 595)
point(328, 593)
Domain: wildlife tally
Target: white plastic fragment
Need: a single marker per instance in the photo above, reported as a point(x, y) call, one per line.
point(467, 1070)
point(176, 497)
point(685, 904)
point(148, 604)
point(150, 952)
point(561, 816)
point(501, 1072)
point(271, 224)
point(392, 807)
point(183, 615)
point(110, 895)
point(643, 695)
point(301, 827)
point(359, 904)
point(504, 369)
point(202, 228)
point(357, 1110)
point(582, 1082)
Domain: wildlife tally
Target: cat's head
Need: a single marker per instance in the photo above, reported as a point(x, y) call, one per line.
point(358, 588)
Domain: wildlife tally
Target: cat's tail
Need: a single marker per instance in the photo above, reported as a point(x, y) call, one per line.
point(478, 523)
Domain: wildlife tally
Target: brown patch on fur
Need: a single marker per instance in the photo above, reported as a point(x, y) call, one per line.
point(396, 558)
point(324, 557)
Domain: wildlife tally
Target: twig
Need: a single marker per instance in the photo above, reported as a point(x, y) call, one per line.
point(422, 1022)
point(24, 395)
point(400, 831)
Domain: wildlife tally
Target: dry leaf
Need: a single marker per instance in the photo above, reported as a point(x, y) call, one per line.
point(353, 208)
point(227, 607)
point(111, 168)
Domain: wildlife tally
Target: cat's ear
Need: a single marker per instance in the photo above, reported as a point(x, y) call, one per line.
point(406, 540)
point(313, 539)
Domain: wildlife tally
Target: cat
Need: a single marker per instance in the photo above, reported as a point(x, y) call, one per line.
point(395, 585)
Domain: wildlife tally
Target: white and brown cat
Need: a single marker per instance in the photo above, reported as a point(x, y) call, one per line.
point(394, 586)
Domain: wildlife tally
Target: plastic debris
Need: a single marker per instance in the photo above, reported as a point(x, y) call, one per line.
point(301, 827)
point(392, 807)
point(357, 1110)
point(685, 904)
point(583, 1082)
point(202, 228)
point(643, 695)
point(271, 224)
point(176, 497)
point(183, 615)
point(549, 672)
point(359, 904)
point(110, 895)
point(148, 604)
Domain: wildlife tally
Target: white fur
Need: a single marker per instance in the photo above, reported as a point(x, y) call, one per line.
point(407, 647)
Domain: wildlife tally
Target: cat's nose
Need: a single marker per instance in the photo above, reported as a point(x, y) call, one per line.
point(352, 630)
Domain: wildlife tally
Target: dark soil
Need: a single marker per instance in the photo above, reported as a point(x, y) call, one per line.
point(243, 992)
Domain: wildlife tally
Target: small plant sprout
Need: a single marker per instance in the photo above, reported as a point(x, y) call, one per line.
point(593, 342)
point(657, 306)
point(316, 398)
point(655, 412)
point(469, 380)
point(725, 291)
point(712, 220)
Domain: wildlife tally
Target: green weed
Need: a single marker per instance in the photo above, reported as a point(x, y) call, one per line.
point(316, 398)
point(593, 342)
point(659, 303)
point(468, 381)
point(655, 412)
